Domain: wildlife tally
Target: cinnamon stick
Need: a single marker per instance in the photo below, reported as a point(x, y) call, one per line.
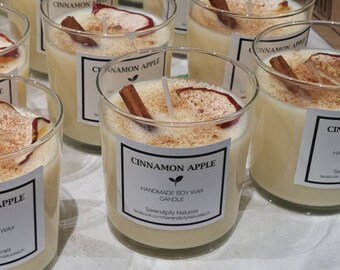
point(134, 103)
point(224, 18)
point(281, 65)
point(72, 23)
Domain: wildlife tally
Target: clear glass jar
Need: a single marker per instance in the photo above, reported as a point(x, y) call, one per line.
point(15, 56)
point(173, 184)
point(29, 175)
point(243, 22)
point(295, 147)
point(73, 67)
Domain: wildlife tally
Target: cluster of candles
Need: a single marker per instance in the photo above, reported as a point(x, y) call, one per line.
point(174, 137)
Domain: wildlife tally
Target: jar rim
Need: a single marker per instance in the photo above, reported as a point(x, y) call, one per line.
point(178, 50)
point(25, 34)
point(271, 71)
point(48, 20)
point(308, 5)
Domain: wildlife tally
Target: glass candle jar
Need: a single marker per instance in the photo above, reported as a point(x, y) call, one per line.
point(295, 148)
point(76, 55)
point(173, 181)
point(31, 9)
point(230, 32)
point(30, 151)
point(15, 36)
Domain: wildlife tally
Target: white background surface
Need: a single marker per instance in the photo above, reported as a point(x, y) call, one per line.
point(266, 236)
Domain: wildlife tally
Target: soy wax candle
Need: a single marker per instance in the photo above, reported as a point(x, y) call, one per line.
point(14, 42)
point(295, 153)
point(30, 150)
point(229, 26)
point(31, 8)
point(79, 42)
point(174, 151)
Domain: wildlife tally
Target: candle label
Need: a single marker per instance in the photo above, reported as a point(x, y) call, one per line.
point(181, 16)
point(59, 8)
point(319, 157)
point(124, 73)
point(171, 188)
point(21, 218)
point(7, 92)
point(240, 49)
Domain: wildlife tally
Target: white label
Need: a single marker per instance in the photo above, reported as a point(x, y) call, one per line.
point(22, 219)
point(61, 7)
point(240, 49)
point(141, 68)
point(7, 92)
point(181, 16)
point(172, 188)
point(319, 158)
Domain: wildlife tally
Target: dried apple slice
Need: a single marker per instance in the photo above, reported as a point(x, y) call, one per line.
point(326, 67)
point(6, 42)
point(283, 6)
point(18, 131)
point(210, 104)
point(120, 20)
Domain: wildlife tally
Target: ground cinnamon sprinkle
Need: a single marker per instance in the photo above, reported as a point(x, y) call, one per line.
point(243, 26)
point(15, 133)
point(15, 129)
point(321, 99)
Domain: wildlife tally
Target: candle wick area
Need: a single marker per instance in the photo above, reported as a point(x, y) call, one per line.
point(104, 23)
point(167, 97)
point(249, 7)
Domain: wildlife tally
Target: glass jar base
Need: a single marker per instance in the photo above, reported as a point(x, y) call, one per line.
point(88, 148)
point(39, 75)
point(52, 263)
point(170, 254)
point(300, 208)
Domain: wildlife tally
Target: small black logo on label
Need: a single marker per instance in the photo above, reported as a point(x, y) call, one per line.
point(178, 179)
point(133, 78)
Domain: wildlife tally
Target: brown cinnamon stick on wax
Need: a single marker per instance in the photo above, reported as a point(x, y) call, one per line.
point(72, 23)
point(134, 103)
point(281, 65)
point(224, 18)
